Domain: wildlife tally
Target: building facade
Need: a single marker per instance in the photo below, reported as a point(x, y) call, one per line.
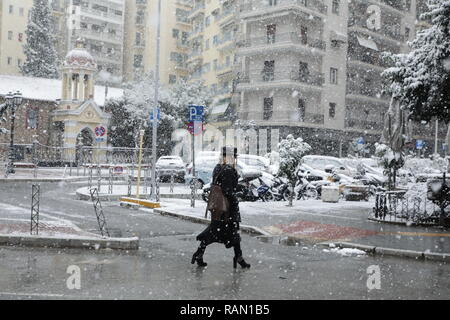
point(140, 40)
point(313, 67)
point(13, 23)
point(212, 56)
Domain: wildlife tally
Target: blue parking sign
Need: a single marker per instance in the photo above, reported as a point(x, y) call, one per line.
point(196, 113)
point(158, 114)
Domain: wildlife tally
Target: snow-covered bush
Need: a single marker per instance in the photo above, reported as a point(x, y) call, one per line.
point(291, 151)
point(390, 160)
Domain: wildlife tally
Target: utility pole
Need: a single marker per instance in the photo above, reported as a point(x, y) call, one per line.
point(155, 108)
point(436, 138)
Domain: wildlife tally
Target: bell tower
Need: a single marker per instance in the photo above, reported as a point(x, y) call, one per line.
point(77, 77)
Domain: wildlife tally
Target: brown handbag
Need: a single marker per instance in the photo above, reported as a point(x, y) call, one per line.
point(218, 204)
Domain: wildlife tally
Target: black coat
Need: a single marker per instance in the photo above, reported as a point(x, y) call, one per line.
point(225, 231)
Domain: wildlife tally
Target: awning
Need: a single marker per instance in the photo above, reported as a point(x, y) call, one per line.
point(220, 109)
point(368, 43)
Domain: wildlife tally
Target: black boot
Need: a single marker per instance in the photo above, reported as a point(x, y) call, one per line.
point(241, 261)
point(198, 256)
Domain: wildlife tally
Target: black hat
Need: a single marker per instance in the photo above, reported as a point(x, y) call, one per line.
point(229, 150)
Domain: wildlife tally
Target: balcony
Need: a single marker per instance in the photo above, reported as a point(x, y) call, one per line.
point(259, 7)
point(100, 36)
point(199, 8)
point(98, 14)
point(258, 79)
point(282, 41)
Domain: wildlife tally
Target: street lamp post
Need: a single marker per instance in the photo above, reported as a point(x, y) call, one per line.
point(12, 101)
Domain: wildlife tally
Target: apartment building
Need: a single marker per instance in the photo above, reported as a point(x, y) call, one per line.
point(212, 56)
point(140, 40)
point(313, 67)
point(13, 23)
point(101, 24)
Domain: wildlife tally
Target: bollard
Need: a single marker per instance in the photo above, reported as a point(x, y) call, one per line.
point(35, 199)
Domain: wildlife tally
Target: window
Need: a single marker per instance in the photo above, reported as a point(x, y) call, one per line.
point(172, 78)
point(20, 37)
point(206, 67)
point(268, 108)
point(138, 38)
point(227, 61)
point(19, 62)
point(301, 110)
point(269, 70)
point(273, 2)
point(407, 32)
point(137, 60)
point(182, 15)
point(207, 21)
point(271, 31)
point(11, 9)
point(215, 64)
point(140, 17)
point(32, 118)
point(304, 35)
point(333, 75)
point(10, 35)
point(9, 61)
point(207, 44)
point(335, 6)
point(303, 72)
point(21, 12)
point(175, 33)
point(215, 40)
point(332, 110)
point(184, 37)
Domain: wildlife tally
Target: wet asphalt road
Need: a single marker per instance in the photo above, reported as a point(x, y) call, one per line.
point(161, 269)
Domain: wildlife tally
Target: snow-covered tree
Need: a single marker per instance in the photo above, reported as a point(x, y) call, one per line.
point(421, 78)
point(391, 162)
point(184, 93)
point(41, 56)
point(291, 151)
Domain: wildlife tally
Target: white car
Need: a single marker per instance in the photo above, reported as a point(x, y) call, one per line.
point(254, 161)
point(171, 165)
point(323, 162)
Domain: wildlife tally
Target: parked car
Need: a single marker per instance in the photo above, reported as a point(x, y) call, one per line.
point(205, 166)
point(322, 162)
point(171, 165)
point(255, 161)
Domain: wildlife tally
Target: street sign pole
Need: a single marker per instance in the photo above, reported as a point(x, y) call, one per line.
point(194, 180)
point(155, 108)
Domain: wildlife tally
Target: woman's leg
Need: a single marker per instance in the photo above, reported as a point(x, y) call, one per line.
point(238, 256)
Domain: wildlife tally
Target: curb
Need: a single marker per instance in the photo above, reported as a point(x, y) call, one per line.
point(107, 197)
point(245, 228)
point(71, 243)
point(418, 255)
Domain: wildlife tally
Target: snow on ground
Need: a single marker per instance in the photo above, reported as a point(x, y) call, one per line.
point(346, 252)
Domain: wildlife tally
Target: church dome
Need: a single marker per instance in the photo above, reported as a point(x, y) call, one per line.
point(79, 57)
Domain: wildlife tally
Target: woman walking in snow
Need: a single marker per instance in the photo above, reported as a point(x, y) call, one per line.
point(226, 230)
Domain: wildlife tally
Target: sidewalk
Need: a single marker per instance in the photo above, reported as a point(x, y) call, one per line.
point(43, 175)
point(315, 222)
point(58, 234)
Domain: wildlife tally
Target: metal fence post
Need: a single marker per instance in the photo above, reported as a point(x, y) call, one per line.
point(172, 181)
point(157, 186)
point(90, 177)
point(110, 180)
point(35, 199)
point(129, 185)
point(99, 177)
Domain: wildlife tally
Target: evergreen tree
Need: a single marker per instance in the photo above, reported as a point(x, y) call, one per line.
point(3, 118)
point(421, 78)
point(41, 56)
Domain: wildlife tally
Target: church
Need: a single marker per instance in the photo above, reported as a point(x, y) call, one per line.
point(59, 113)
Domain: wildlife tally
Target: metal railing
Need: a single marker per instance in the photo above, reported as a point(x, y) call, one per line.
point(396, 206)
point(254, 5)
point(288, 37)
point(258, 76)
